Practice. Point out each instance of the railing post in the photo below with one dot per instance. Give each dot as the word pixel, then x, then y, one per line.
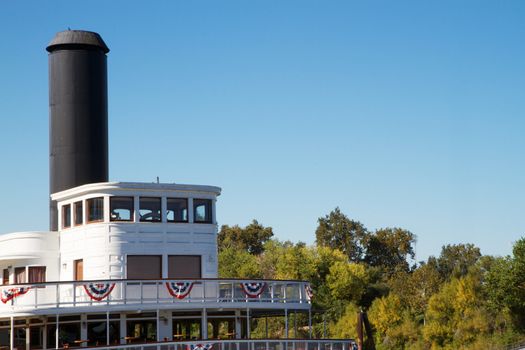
pixel 124 287
pixel 57 296
pixel 158 295
pixel 36 297
pixel 74 294
pixel 141 293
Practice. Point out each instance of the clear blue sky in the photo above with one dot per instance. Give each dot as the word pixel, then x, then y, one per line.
pixel 402 113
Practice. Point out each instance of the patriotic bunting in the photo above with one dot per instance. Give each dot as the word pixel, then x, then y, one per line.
pixel 11 293
pixel 309 291
pixel 202 347
pixel 253 289
pixel 179 290
pixel 98 291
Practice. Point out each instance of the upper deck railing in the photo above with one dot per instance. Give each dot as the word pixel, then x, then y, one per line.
pixel 164 293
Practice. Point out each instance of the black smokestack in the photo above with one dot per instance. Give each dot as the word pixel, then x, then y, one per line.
pixel 78 112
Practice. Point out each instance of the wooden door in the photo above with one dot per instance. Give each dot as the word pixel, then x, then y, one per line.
pixel 79 270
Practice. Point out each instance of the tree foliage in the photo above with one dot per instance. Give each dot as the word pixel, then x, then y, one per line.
pixel 337 231
pixel 390 248
pixel 250 238
pixel 459 300
pixel 456 259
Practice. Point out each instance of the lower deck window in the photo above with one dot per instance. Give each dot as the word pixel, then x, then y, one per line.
pixel 5 279
pixel 20 275
pixel 37 274
pixel 184 266
pixel 144 267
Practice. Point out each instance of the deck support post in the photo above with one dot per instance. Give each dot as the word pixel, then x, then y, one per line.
pixel 310 322
pixel 11 334
pixel 57 332
pixel 157 317
pixel 238 324
pixel 286 323
pixel 204 324
pixel 248 323
pixel 295 324
pixel 107 327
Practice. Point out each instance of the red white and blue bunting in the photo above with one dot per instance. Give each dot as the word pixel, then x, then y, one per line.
pixel 99 291
pixel 202 347
pixel 309 291
pixel 11 293
pixel 179 290
pixel 253 289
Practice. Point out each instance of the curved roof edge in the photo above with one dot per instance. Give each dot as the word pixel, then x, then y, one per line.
pixel 104 186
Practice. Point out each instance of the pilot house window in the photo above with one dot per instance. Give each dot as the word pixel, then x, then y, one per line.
pixel 95 209
pixel 121 208
pixel 77 210
pixel 66 216
pixel 150 209
pixel 177 210
pixel 202 210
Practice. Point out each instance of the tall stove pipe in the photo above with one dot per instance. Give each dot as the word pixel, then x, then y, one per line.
pixel 78 112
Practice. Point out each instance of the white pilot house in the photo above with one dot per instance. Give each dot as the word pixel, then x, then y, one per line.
pixel 127 265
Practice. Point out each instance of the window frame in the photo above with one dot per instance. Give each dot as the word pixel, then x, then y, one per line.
pixel 210 220
pixel 88 210
pixel 187 210
pixel 174 256
pixel 32 268
pixel 81 213
pixel 132 210
pixel 160 209
pixel 157 256
pixel 17 272
pixel 66 208
pixel 5 281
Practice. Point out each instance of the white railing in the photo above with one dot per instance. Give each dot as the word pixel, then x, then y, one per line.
pixel 244 344
pixel 59 295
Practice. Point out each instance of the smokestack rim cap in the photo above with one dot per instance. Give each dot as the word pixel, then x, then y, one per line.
pixel 76 39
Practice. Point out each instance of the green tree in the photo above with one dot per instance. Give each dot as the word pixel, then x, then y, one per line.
pixel 456 259
pixel 337 231
pixel 457 315
pixel 505 284
pixel 348 281
pixel 234 263
pixel 390 248
pixel 250 238
pixel 394 326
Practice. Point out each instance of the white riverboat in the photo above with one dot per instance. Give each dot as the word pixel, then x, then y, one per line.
pixel 132 265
